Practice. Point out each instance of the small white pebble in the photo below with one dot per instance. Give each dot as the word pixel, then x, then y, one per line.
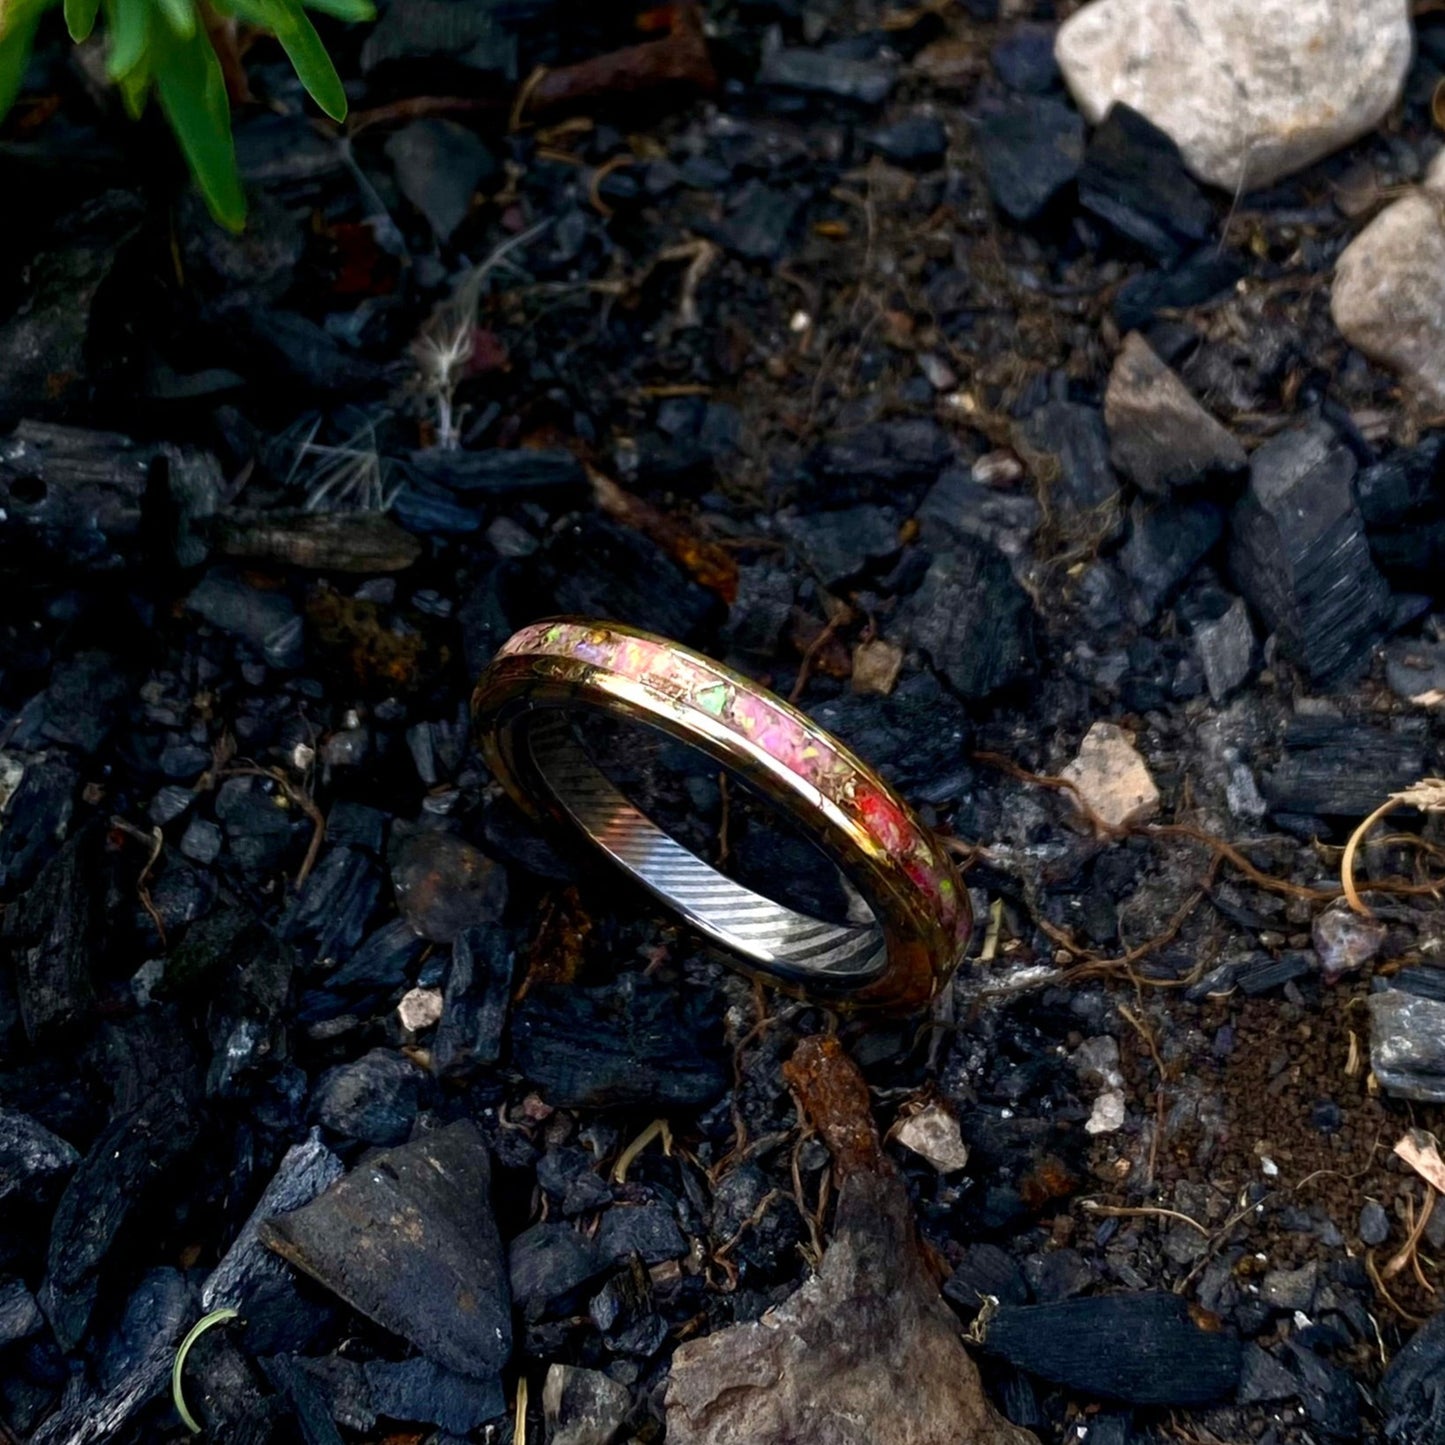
pixel 419 1009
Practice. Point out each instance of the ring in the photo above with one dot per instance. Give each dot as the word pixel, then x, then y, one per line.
pixel 910 918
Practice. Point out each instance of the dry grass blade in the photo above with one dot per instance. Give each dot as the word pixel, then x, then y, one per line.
pixel 1428 795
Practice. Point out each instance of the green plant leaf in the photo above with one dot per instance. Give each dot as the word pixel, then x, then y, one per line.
pixel 130 27
pixel 350 10
pixel 18 22
pixel 181 15
pixel 314 69
pixel 80 18
pixel 192 94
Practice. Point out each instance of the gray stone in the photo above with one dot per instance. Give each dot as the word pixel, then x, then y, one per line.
pixel 1389 290
pixel 1250 90
pixel 1159 435
pixel 1226 650
pixel 864 1351
pixel 1291 1289
pixel 1345 941
pixel 1407 1045
pixel 439 165
pixel 583 1407
pixel 1298 553
pixel 1415 670
pixel 1374 1224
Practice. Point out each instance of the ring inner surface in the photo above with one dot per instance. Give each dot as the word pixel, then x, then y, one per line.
pixel 849 949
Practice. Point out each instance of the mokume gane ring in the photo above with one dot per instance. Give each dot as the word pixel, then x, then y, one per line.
pixel 547 674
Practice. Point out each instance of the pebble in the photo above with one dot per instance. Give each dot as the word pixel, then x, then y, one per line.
pixel 1415 671
pixel 1226 646
pixel 1111 777
pixel 1345 941
pixel 419 1009
pixel 933 1134
pixel 439 165
pixel 1160 437
pixel 583 1407
pixel 1107 1115
pixel 1389 289
pixel 1374 1224
pixel 876 666
pixel 914 140
pixel 1250 90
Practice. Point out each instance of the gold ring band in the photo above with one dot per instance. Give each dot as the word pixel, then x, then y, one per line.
pixel 919 919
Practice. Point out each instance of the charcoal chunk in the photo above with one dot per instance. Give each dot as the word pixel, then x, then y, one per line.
pixel 1413 1389
pixel 985 1271
pixel 1133 179
pixel 503 474
pixel 874 461
pixel 1298 554
pixel 839 545
pixel 129 1158
pixel 633 1043
pixel 476 995
pixel 647 1230
pixel 374 1099
pixel 422 1390
pixel 594 567
pixel 34 1163
pixel 50 936
pixel 266 620
pixel 1144 1349
pixel 1205 274
pixel 1405 487
pixel 550 1267
pixel 1339 769
pixel 972 619
pixel 1085 493
pixel 1023 59
pixel 1032 147
pixel 868 82
pixel 72 498
pixel 255 1281
pixel 1167 541
pixel 759 222
pixel 20 1316
pixel 443 885
pixel 1407 1045
pixel 37 817
pixel 408 1239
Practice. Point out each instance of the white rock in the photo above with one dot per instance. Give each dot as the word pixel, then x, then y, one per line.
pixel 419 1009
pixel 1389 292
pixel 1111 778
pixel 1249 90
pixel 1108 1114
pixel 933 1134
pixel 1097 1060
